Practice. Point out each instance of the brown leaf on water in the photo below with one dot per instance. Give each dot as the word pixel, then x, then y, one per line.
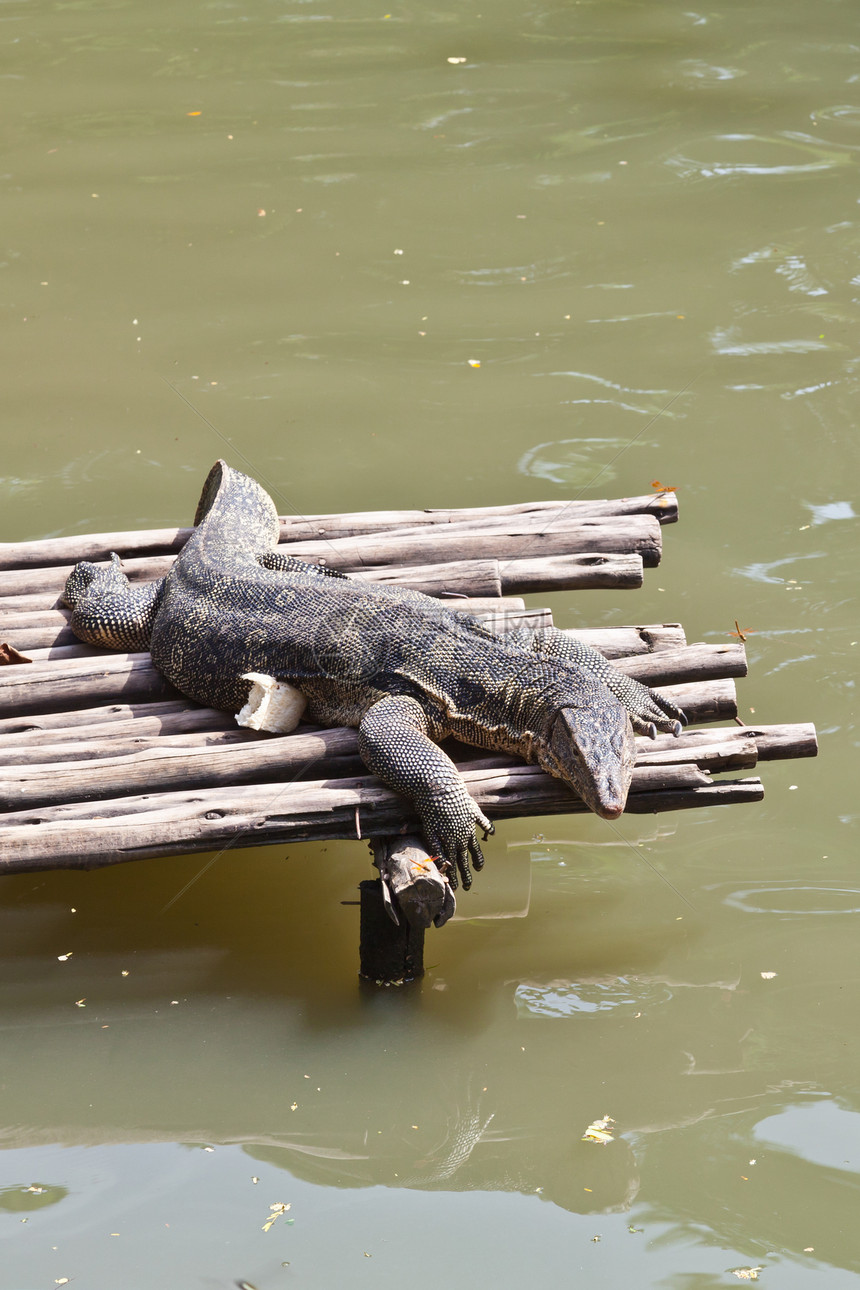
pixel 9 654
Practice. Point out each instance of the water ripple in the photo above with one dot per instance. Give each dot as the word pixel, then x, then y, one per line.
pixel 763 571
pixel 708 73
pixel 789 900
pixel 761 155
pixel 575 461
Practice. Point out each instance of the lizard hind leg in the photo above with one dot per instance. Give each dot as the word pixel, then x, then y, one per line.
pixel 649 710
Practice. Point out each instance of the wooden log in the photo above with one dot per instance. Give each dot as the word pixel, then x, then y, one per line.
pixel 60 653
pixel 19 620
pixel 29 638
pixel 705 701
pixel 108 746
pixel 98 546
pixel 574 572
pixel 36 600
pixel 663 506
pixel 170 715
pixel 777 743
pixel 49 687
pixel 691 663
pixel 90 835
pixel 724 749
pixel 91 546
pixel 520 539
pixel 623 642
pixel 160 768
pixel 773 743
pixel 40 589
pixel 453 581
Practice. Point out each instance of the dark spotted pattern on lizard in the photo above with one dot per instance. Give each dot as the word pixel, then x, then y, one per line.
pixel 398 665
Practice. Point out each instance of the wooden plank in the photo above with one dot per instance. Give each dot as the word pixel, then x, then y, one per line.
pixel 166 767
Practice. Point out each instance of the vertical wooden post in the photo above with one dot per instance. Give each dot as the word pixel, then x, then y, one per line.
pixel 396 909
pixel 389 954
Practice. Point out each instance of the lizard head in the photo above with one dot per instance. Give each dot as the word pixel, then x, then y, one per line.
pixel 592 749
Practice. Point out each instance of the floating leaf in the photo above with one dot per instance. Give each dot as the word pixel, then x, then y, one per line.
pixel 276 1211
pixel 600 1131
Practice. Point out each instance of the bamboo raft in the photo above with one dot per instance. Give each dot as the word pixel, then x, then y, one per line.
pixel 101 761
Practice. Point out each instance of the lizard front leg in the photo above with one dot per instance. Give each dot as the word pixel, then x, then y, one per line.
pixel 394 743
pixel 649 710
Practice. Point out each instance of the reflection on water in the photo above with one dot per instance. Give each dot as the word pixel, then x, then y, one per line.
pixel 819 1131
pixel 321 219
pixel 562 999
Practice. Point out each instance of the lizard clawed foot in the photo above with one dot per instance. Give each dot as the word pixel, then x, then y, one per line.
pixel 651 711
pixel 451 837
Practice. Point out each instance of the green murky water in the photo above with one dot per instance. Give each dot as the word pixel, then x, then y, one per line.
pixel 308 216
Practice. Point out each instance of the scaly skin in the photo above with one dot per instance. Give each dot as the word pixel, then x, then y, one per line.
pixel 398 665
